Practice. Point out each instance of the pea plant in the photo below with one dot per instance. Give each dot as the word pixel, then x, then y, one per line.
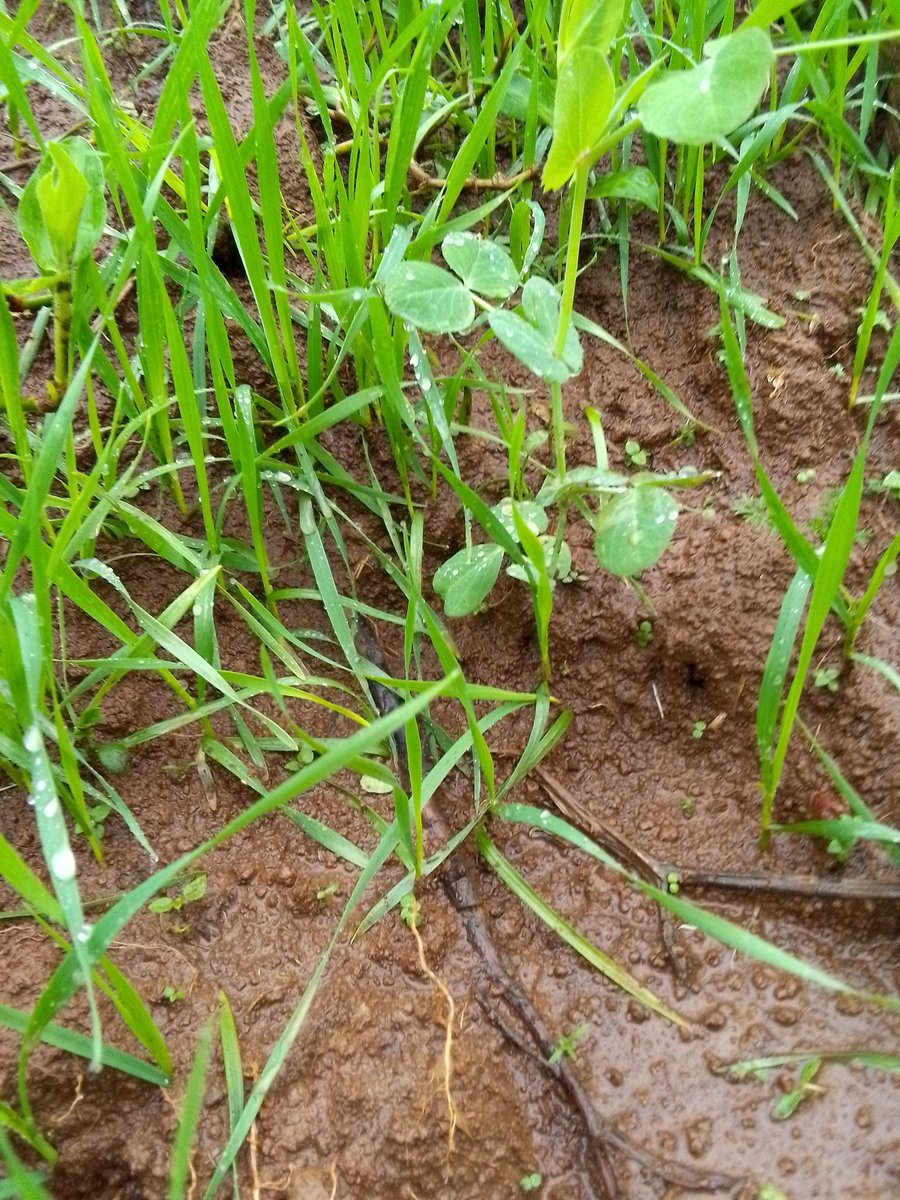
pixel 61 215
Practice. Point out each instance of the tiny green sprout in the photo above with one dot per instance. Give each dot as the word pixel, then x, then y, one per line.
pixel 635 456
pixel 806 475
pixel 112 757
pixel 686 435
pixel 753 510
pixel 193 890
pixel 768 1191
pixel 673 883
pixel 643 635
pixel 173 995
pixel 826 678
pixel 565 1047
pixel 837 370
pixel 97 814
pixel 802 294
pixel 410 913
pixel 530 1183
pixel 324 894
pixel 891 484
pixel 687 805
pixel 788 1104
pixel 698 730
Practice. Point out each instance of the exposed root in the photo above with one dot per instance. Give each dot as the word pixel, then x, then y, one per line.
pixel 447 1056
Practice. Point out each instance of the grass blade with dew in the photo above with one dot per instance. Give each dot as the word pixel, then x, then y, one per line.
pixel 67 977
pixel 42 903
pixel 72 1042
pixel 713 926
pixel 25 676
pixel 601 962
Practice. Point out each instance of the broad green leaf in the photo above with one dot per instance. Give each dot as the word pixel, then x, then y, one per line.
pixel 534 515
pixel 585 90
pixel 429 298
pixel 541 302
pixel 706 103
pixel 465 579
pixel 633 529
pixel 529 346
pixel 589 23
pixel 631 183
pixel 62 210
pixel 484 267
pixel 532 340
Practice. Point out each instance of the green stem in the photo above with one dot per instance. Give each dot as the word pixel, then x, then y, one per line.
pixel 576 220
pixel 62 323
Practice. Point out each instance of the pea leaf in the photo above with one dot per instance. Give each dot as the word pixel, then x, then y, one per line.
pixel 631 183
pixel 484 267
pixel 429 297
pixel 534 515
pixel 532 338
pixel 465 579
pixel 700 105
pixel 62 209
pixel 633 529
pixel 585 90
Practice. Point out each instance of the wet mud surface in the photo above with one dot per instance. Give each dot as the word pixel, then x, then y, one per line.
pixel 358 1109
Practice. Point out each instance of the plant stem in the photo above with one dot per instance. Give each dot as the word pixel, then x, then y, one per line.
pixel 576 220
pixel 62 322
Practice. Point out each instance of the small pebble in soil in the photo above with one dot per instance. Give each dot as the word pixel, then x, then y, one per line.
pixel 614 1078
pixel 699 1137
pixel 787 989
pixel 714 1018
pixel 785 1016
pixel 787 1166
pixel 636 1013
pixel 864 1118
pixel 849 1006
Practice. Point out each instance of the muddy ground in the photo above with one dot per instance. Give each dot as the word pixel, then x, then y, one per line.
pixel 358 1110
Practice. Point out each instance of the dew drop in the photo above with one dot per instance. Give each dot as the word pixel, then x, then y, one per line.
pixel 83 933
pixel 32 739
pixel 62 864
pixel 51 808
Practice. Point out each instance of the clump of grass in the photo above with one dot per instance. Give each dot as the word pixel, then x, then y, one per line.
pixel 434 138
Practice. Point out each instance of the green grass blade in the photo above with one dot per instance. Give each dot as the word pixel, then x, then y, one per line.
pixel 76 1043
pixel 775 673
pixel 188 1121
pixel 607 966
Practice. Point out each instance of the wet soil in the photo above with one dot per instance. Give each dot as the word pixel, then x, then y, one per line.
pixel 358 1108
